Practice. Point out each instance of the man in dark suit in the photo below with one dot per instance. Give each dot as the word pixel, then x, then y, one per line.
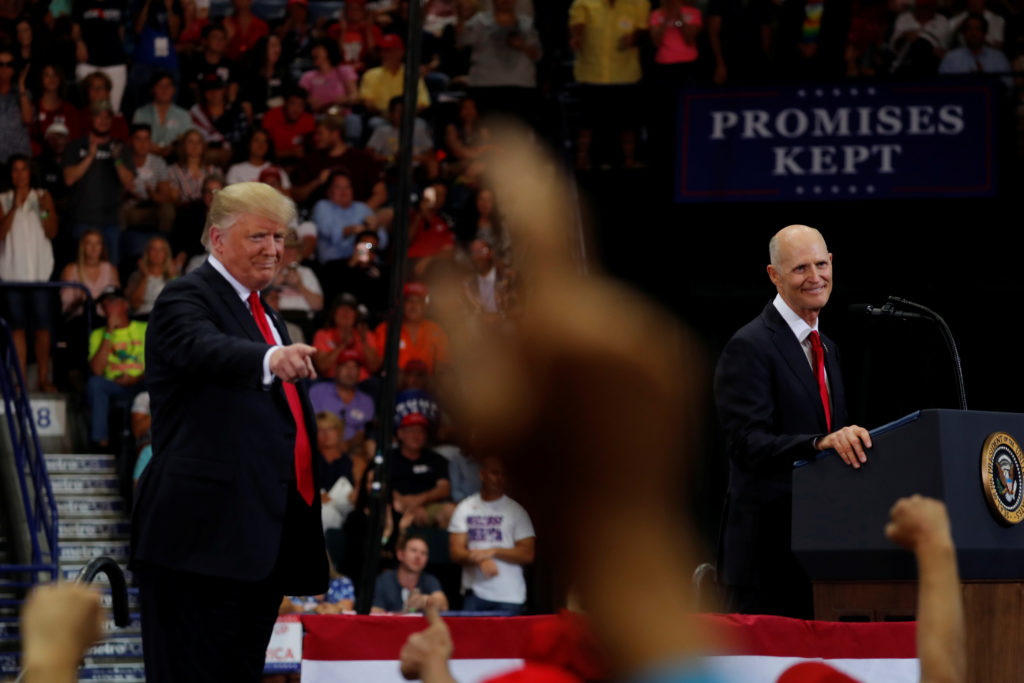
pixel 779 394
pixel 226 518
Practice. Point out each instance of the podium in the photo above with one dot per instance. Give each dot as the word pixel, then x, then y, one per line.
pixel 839 516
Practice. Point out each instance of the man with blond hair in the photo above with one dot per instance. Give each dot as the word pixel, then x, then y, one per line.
pixel 227 516
pixel 779 394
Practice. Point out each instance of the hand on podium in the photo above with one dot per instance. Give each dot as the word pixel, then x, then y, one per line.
pixel 849 442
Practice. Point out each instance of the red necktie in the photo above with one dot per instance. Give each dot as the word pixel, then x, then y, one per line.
pixel 818 356
pixel 303 453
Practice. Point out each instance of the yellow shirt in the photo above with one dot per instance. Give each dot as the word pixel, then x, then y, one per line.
pixel 600 60
pixel 127 356
pixel 380 85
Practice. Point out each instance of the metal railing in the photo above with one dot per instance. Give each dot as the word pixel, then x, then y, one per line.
pixel 33 481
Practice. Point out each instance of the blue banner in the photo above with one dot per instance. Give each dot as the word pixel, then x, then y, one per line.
pixel 843 142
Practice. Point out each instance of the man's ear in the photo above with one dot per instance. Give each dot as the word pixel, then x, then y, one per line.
pixel 773 274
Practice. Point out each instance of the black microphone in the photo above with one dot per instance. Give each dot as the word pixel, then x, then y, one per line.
pixel 886 311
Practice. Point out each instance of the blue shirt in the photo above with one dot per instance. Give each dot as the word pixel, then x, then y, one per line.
pixel 356 413
pixel 389 595
pixel 331 219
pixel 963 61
pixel 338 590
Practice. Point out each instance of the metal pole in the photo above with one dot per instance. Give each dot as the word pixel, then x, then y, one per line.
pixel 381 493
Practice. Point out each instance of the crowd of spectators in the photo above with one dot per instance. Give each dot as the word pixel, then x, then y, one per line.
pixel 119 120
pixel 625 52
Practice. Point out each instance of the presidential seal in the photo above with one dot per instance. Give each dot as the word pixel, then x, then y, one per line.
pixel 1001 477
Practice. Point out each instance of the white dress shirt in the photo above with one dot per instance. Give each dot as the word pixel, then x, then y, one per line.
pixel 802 332
pixel 243 293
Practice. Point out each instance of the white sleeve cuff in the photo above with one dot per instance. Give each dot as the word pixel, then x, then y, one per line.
pixel 268 376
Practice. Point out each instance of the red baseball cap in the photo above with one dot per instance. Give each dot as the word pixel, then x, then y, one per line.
pixel 413 419
pixel 349 355
pixel 415 289
pixel 391 41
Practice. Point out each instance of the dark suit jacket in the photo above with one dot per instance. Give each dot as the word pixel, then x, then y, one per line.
pixel 770 411
pixel 213 499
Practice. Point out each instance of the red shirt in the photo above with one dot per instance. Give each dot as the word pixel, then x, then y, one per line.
pixel 328 339
pixel 118 128
pixel 434 236
pixel 65 114
pixel 287 134
pixel 240 42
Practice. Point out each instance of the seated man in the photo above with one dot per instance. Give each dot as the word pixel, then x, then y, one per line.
pixel 383 144
pixel 344 400
pixel 290 126
pixel 334 471
pixel 117 356
pixel 492 538
pixel 408 588
pixel 421 339
pixel 975 56
pixel 149 205
pixel 419 476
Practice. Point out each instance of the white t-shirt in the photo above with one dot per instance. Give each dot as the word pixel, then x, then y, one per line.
pixel 493 524
pixel 291 297
pixel 244 172
pixel 26 254
pixel 141 403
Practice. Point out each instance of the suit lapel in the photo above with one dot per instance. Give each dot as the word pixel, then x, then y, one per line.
pixel 229 297
pixel 793 354
pixel 279 323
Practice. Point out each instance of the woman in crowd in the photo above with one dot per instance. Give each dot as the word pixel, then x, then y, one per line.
pixel 188 174
pixel 483 222
pixel 223 124
pixel 259 158
pixel 266 80
pixel 97 87
pixel 156 269
pixel 26 255
pixel 51 107
pixel 189 221
pixel 341 333
pixel 92 268
pixel 27 53
pixel 330 83
pixel 467 141
pixel 167 121
pixel 674 29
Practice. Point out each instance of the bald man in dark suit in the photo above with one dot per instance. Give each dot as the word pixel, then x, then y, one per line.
pixel 227 515
pixel 774 411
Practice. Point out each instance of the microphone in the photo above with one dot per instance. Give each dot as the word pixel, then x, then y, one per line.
pixel 886 311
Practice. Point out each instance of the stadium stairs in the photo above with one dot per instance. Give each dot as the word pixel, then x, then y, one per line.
pixel 59 509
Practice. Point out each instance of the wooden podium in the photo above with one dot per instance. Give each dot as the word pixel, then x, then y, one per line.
pixel 839 515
